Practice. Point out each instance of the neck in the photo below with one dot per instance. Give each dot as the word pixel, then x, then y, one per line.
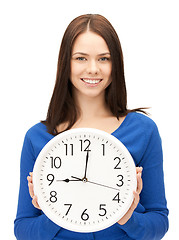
pixel 91 107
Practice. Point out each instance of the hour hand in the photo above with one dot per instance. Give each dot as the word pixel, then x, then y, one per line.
pixel 68 180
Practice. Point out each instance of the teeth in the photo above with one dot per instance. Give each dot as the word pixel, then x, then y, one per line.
pixel 91 81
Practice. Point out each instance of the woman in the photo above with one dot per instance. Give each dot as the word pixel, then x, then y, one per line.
pixel 90 92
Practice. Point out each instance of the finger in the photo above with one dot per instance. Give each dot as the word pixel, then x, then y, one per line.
pixel 31 189
pixel 139 183
pixel 35 203
pixel 135 202
pixel 29 179
pixel 139 169
pixel 136 199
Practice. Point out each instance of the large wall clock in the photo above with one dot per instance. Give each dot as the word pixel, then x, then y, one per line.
pixel 84 179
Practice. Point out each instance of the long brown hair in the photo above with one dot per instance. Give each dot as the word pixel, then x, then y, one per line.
pixel 62 107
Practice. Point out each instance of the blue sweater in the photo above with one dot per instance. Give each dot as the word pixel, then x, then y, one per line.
pixel 149 220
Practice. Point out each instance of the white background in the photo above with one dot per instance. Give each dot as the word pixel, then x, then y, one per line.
pixel 31 33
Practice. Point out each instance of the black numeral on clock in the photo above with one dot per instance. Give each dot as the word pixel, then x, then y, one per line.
pixel 103 145
pixel 118 162
pixel 50 178
pixel 56 162
pixel 103 210
pixel 84 215
pixel 85 144
pixel 116 198
pixel 69 206
pixel 53 196
pixel 68 149
pixel 121 182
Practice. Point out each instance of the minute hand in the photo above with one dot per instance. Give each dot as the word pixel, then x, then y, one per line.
pixel 99 184
pixel 102 185
pixel 87 157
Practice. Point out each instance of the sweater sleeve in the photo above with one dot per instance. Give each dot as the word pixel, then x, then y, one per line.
pixel 30 223
pixel 152 222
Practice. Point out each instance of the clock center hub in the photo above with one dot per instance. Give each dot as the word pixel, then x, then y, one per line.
pixel 84 180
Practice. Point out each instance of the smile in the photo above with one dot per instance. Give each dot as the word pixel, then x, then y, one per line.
pixel 91 81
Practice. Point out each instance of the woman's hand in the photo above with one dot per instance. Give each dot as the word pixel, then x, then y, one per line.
pixel 31 191
pixel 129 213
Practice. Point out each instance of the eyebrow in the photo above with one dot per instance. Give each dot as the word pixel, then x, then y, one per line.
pixel 85 54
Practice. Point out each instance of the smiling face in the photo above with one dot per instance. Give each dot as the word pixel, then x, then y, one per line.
pixel 91 65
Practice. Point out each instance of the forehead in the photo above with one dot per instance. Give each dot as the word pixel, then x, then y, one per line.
pixel 90 42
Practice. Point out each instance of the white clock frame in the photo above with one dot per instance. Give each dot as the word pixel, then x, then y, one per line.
pixel 48 186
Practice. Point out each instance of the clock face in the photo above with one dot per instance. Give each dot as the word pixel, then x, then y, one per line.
pixel 84 180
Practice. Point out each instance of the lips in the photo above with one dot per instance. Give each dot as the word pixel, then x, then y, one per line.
pixel 91 80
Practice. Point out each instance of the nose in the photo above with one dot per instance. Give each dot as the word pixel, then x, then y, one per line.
pixel 92 67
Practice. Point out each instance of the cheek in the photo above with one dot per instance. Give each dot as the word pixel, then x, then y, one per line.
pixel 107 71
pixel 76 70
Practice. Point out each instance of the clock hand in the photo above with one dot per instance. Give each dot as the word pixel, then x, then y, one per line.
pixel 68 180
pixel 79 179
pixel 87 157
pixel 102 185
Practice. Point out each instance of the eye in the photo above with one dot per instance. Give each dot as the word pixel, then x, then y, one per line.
pixel 103 59
pixel 81 58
